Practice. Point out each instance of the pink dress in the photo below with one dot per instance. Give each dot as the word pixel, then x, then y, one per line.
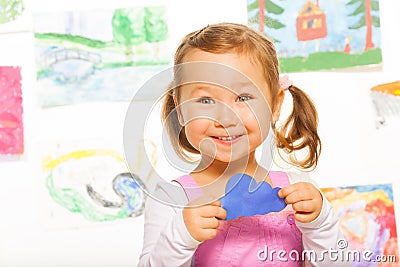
pixel 250 241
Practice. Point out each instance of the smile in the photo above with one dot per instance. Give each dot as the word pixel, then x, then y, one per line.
pixel 227 139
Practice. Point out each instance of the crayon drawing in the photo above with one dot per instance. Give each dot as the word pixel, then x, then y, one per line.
pixel 386 102
pixel 102 55
pixel 11 127
pixel 14 16
pixel 10 10
pixel 314 35
pixel 367 218
pixel 87 182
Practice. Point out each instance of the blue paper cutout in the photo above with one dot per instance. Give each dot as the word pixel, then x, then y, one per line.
pixel 245 197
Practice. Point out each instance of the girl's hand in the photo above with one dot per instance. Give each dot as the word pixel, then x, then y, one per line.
pixel 305 198
pixel 202 222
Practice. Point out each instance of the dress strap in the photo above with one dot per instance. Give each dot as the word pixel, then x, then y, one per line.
pixel 279 179
pixel 192 189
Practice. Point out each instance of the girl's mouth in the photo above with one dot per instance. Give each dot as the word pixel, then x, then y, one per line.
pixel 227 139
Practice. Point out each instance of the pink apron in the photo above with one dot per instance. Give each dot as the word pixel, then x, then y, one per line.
pixel 261 240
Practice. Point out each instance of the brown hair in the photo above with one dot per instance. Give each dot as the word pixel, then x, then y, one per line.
pixel 300 129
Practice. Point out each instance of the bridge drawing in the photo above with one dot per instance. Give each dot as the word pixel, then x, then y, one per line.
pixel 56 56
pixel 69 65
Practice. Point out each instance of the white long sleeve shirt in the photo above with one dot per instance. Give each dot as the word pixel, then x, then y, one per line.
pixel 167 241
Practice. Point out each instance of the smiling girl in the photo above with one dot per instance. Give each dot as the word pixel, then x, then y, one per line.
pixel 225 98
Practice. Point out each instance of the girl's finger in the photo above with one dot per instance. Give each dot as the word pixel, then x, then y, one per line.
pixel 221 213
pixel 297 196
pixel 214 212
pixel 304 217
pixel 209 233
pixel 210 223
pixel 303 206
pixel 284 192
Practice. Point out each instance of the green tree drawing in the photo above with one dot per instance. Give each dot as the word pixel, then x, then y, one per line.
pixel 155 24
pixel 128 26
pixel 156 27
pixel 10 10
pixel 134 26
pixel 265 7
pixel 367 10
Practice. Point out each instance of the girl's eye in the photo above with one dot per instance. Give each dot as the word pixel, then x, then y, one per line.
pixel 242 98
pixel 206 100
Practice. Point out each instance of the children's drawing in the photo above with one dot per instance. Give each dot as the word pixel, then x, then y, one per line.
pixel 10 10
pixel 319 34
pixel 95 184
pixel 129 188
pixel 367 218
pixel 11 127
pixel 14 16
pixel 386 101
pixel 103 55
pixel 88 181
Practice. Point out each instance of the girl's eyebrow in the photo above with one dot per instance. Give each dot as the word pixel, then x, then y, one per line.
pixel 246 84
pixel 237 89
pixel 200 89
pixel 203 86
pixel 246 87
pixel 206 87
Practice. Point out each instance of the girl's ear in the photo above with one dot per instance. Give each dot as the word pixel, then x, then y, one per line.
pixel 278 105
pixel 178 112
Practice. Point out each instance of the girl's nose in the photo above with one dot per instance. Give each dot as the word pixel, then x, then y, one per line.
pixel 226 116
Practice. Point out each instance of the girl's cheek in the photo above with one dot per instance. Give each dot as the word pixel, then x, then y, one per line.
pixel 199 124
pixel 257 122
pixel 196 128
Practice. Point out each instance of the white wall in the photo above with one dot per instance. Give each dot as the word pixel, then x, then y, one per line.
pixel 354 152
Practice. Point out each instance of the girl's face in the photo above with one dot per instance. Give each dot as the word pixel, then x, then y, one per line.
pixel 224 105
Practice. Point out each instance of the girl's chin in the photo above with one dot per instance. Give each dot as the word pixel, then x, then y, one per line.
pixel 240 160
pixel 225 156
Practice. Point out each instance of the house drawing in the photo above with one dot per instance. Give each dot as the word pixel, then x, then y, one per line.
pixel 311 22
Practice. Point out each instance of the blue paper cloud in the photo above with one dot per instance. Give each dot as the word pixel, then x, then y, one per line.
pixel 245 197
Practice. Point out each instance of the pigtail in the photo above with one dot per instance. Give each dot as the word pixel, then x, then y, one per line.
pixel 300 131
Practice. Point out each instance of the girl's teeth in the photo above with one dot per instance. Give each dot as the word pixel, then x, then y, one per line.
pixel 227 138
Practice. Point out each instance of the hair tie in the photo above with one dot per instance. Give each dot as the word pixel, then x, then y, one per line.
pixel 284 82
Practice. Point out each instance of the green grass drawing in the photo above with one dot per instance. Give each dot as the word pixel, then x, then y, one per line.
pixel 330 60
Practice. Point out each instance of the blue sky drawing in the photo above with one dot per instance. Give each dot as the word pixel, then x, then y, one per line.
pixel 338 22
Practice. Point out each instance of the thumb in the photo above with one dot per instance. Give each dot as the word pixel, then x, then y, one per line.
pixel 281 193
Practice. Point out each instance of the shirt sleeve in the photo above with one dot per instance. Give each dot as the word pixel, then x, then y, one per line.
pixel 324 243
pixel 166 240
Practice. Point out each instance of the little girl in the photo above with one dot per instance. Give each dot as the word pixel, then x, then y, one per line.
pixel 225 98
